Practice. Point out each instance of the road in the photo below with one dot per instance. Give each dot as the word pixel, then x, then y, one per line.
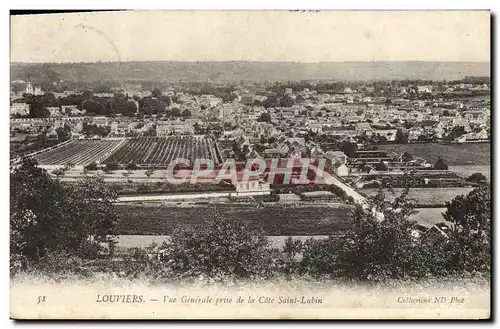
pixel 142 241
pixel 332 179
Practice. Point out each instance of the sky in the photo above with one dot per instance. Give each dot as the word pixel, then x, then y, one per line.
pixel 325 36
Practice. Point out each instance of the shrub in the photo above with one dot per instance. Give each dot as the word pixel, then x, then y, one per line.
pixel 91 166
pixel 440 164
pixel 221 249
pixel 476 178
pixel 142 188
pixel 131 166
pixel 111 167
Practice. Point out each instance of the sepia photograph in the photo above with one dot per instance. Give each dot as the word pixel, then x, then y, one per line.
pixel 259 164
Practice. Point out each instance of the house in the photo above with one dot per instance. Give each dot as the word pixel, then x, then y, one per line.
pixel 22 109
pixel 253 186
pixel 424 89
pixel 334 156
pixel 364 127
pixel 340 169
pixel 337 162
pixel 414 133
pixel 71 110
pixel 340 131
pixel 54 111
pixel 437 232
pixel 316 128
pixel 100 121
pixel 389 134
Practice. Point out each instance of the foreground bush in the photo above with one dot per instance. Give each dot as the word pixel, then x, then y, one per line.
pixel 221 248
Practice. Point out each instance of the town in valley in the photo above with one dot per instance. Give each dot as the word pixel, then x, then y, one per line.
pixel 370 133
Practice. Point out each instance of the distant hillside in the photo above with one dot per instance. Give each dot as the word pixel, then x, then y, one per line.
pixel 247 71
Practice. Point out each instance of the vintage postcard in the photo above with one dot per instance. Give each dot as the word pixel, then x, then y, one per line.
pixel 250 165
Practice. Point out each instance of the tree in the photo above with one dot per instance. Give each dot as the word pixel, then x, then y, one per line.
pixel 93 216
pixel 401 137
pixel 131 166
pixel 265 117
pixel 381 166
pixel 46 216
pixel 149 172
pixel 457 131
pixel 68 166
pixel 37 108
pixel 156 93
pixel 378 245
pixel 477 178
pixel 406 157
pixel 272 102
pixel 63 133
pixel 349 149
pixel 440 164
pixel 91 166
pixel 221 249
pixel 175 112
pixel 471 235
pixel 36 210
pixel 126 108
pixel 94 107
pixel 110 167
pixel 17 87
pixel 58 172
pixel 287 101
pixel 186 113
pixel 299 99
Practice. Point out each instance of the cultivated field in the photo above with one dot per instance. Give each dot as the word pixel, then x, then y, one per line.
pixel 274 220
pixel 78 152
pixel 143 151
pixel 157 151
pixel 423 196
pixel 453 154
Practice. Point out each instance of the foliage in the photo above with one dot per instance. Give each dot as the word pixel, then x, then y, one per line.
pixel 220 249
pixel 401 137
pixel 265 117
pixel 471 235
pixel 47 216
pixel 477 178
pixel 349 149
pixel 406 157
pixel 91 166
pixel 440 164
pixel 91 130
pixel 381 166
pixel 63 133
pixel 111 167
pixel 131 166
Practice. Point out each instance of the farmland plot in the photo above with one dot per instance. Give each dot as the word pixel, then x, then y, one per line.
pixel 273 220
pixel 78 152
pixel 423 196
pixel 157 151
pixel 453 154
